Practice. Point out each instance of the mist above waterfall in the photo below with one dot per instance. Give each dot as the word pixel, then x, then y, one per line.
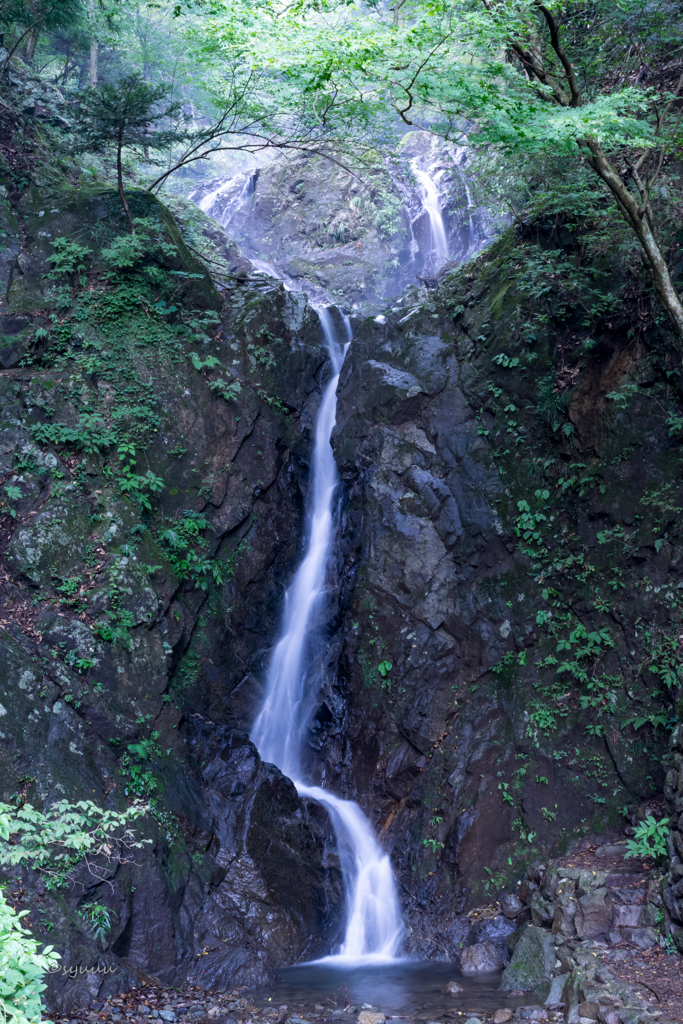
pixel 320 227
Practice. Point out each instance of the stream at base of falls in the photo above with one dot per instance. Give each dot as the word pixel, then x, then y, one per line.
pixel 406 988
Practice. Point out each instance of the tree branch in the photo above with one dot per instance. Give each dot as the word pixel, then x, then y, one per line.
pixel 557 47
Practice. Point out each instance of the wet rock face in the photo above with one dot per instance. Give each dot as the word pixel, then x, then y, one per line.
pixel 322 227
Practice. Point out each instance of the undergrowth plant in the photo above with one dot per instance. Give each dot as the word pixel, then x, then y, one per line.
pixel 53 842
pixel 22 968
pixel 186 547
pixel 649 839
pixel 69 259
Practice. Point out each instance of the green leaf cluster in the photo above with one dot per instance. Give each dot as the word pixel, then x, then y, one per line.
pixel 649 839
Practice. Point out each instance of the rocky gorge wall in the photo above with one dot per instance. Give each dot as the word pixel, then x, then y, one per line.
pixel 503 654
pixel 108 580
pixel 511 575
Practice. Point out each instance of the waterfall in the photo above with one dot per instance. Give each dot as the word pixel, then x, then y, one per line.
pixel 224 201
pixel 458 154
pixel 430 204
pixel 373 918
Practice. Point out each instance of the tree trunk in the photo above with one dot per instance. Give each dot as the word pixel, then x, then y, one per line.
pixel 119 173
pixel 65 74
pixel 93 63
pixel 637 219
pixel 31 43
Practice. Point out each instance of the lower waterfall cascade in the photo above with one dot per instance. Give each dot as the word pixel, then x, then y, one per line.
pixel 373 917
pixel 430 199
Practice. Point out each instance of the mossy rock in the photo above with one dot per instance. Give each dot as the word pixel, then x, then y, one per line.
pixel 93 219
pixel 51 543
pixel 532 961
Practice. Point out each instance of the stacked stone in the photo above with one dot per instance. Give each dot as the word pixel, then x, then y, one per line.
pixel 582 904
pixel 673 794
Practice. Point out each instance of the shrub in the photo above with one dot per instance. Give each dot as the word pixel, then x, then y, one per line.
pixel 649 839
pixel 22 968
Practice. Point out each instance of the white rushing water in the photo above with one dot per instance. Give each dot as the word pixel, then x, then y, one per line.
pixel 430 198
pixel 373 918
pixel 230 196
pixel 458 155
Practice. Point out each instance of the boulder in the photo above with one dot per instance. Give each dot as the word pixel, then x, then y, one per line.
pixel 550 992
pixel 483 956
pixel 594 915
pixel 564 917
pixel 511 905
pixel 502 1016
pixel 453 989
pixel 370 1017
pixel 532 961
pixel 542 912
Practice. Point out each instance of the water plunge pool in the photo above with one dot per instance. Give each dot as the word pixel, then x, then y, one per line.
pixel 406 988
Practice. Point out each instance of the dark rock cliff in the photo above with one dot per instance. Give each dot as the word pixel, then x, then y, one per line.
pixel 511 581
pixel 114 637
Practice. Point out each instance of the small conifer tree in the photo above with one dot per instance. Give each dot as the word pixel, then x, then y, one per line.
pixel 125 115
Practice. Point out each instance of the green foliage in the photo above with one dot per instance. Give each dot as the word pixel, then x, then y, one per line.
pixel 504 788
pixel 52 842
pixel 649 839
pixel 675 424
pixel 39 15
pixel 204 364
pixel 509 362
pixel 73 660
pixel 622 396
pixel 183 543
pixel 127 252
pixel 13 494
pixel 666 661
pixel 656 719
pixel 528 524
pixel 69 589
pixel 125 114
pixel 136 484
pixel 140 779
pixel 552 402
pixel 98 918
pixel 22 968
pixel 117 629
pixel 69 258
pixel 495 882
pixel 119 621
pixel 582 644
pixel 432 844
pixel 55 840
pixel 228 391
pixel 90 435
pixel 543 718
